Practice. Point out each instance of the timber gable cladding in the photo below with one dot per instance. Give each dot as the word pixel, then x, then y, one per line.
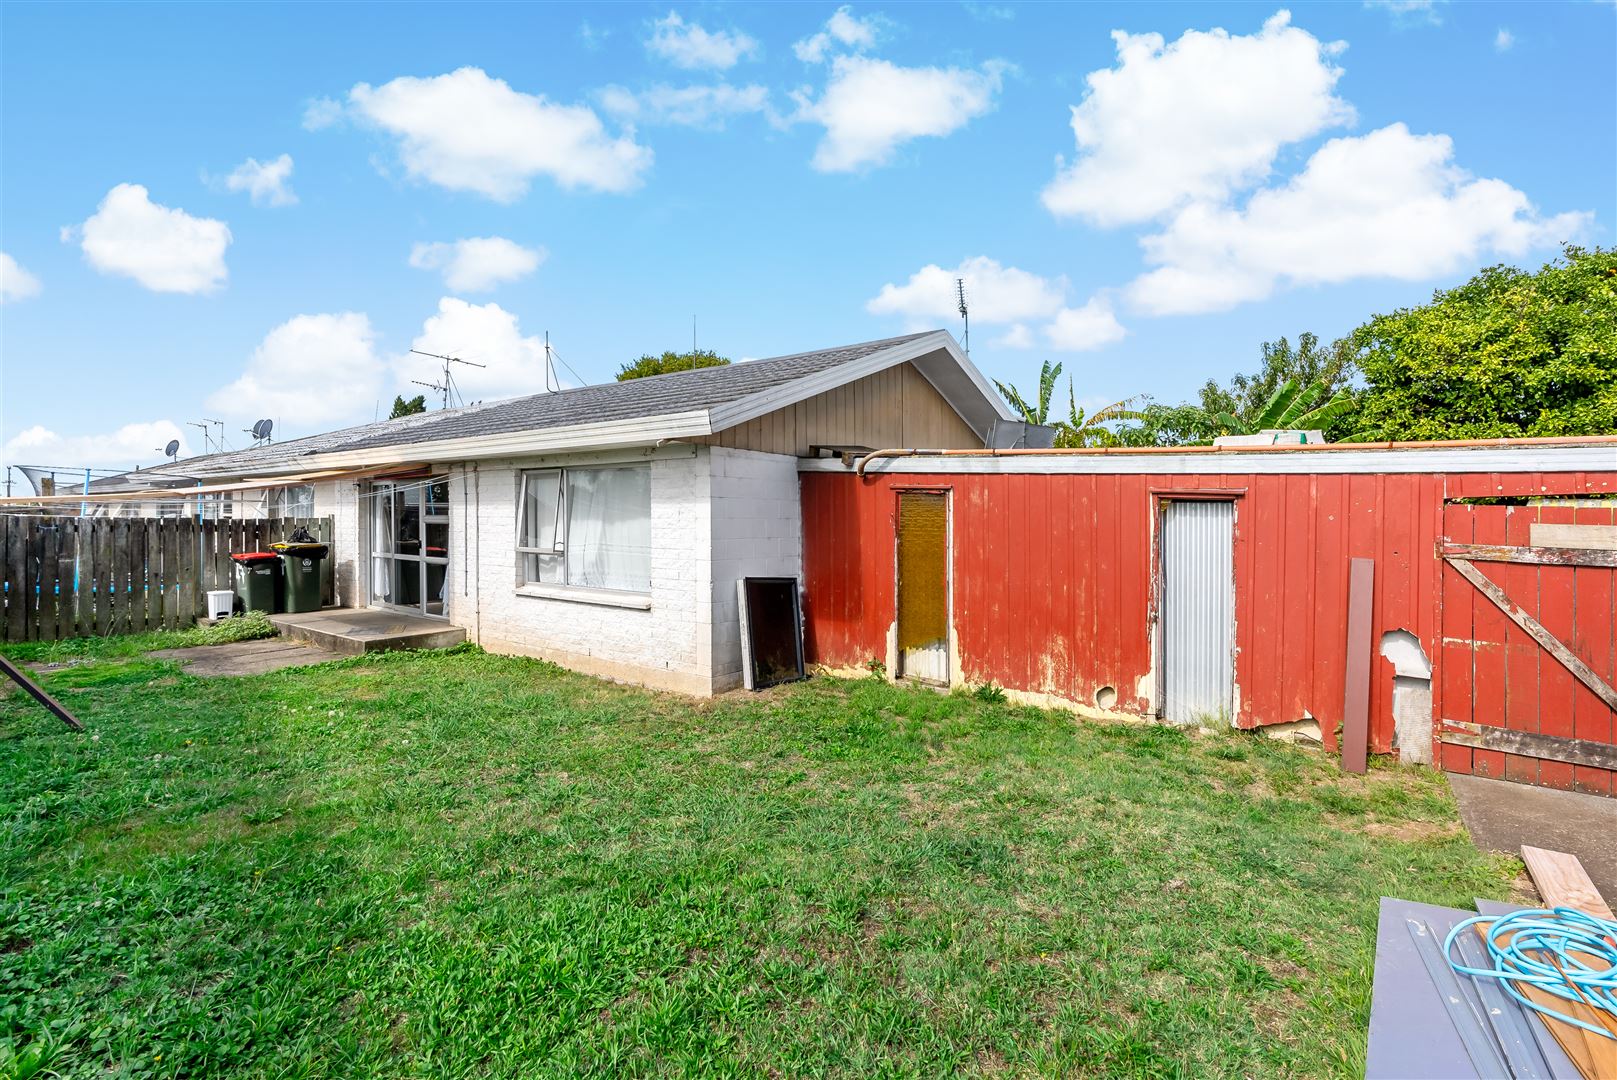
pixel 894 407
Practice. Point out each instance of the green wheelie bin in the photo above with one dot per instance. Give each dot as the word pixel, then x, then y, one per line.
pixel 258 580
pixel 300 564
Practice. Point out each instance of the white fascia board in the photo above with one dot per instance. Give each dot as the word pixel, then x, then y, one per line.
pixel 604 436
pixel 1514 460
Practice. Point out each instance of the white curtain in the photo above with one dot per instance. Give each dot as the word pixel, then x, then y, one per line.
pixel 609 528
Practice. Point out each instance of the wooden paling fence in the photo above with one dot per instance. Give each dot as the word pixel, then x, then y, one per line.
pixel 92 577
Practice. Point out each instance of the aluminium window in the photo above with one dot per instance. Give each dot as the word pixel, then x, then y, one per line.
pixel 586 528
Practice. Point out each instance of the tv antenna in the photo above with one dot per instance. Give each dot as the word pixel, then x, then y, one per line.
pixel 207 440
pixel 261 431
pixel 960 295
pixel 447 388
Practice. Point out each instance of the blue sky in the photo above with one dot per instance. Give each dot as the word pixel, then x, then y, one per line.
pixel 250 210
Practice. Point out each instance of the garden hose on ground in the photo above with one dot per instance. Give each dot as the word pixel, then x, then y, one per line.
pixel 1562 951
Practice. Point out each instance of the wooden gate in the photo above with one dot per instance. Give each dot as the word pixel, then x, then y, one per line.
pixel 1528 612
pixel 90 577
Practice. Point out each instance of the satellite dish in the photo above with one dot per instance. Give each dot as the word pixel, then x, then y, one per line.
pixel 262 429
pixel 172 449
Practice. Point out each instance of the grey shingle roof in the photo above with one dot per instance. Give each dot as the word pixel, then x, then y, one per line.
pixel 657 395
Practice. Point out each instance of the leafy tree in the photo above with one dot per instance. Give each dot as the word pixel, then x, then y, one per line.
pixel 1029 411
pixel 669 362
pixel 1304 386
pixel 1293 406
pixel 1508 353
pixel 417 404
pixel 1306 364
pixel 1079 429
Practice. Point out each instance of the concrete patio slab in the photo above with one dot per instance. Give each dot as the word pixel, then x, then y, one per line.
pixel 353 631
pixel 246 657
pixel 1503 816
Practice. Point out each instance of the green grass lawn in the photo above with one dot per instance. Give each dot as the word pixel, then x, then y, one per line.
pixel 455 864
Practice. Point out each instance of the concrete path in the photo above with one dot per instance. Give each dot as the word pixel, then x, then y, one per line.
pixel 1503 816
pixel 245 657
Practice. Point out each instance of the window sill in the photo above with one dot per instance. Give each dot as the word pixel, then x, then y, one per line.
pixel 601 597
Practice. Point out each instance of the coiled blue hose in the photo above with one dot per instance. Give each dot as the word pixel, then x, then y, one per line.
pixel 1526 946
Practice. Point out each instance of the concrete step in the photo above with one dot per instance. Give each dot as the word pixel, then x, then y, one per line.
pixel 353 631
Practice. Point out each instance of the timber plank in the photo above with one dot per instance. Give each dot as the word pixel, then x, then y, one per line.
pixel 17 578
pixel 48 541
pixel 1563 882
pixel 1356 696
pixel 136 606
pixel 84 577
pixel 190 541
pixel 117 573
pixel 101 563
pixel 1593 537
pixel 171 574
pixel 154 574
pixel 1532 556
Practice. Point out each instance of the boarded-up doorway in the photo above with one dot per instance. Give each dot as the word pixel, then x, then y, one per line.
pixel 1197 615
pixel 923 586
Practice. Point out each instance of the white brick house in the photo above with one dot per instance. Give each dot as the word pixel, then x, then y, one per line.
pixel 605 527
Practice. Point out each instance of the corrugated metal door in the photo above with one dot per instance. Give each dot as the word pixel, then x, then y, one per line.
pixel 923 585
pixel 1198 611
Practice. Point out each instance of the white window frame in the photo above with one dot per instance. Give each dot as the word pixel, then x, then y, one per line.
pixel 564 590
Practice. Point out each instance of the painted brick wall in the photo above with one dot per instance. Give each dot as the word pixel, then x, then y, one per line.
pixel 668 646
pixel 757 532
pixel 716 515
pixel 340 501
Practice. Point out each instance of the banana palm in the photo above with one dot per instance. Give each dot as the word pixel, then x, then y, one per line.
pixel 1291 406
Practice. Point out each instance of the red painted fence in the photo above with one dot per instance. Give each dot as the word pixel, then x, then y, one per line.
pixel 1054 580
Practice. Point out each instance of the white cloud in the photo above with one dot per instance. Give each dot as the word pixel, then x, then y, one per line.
pixel 999 295
pixel 16 283
pixel 164 249
pixel 466 131
pixel 1194 120
pixel 478 263
pixel 1503 40
pixel 689 106
pixel 842 29
pixel 125 448
pixel 1017 337
pixel 1410 12
pixel 995 294
pixel 485 334
pixel 1388 204
pixel 321 113
pixel 1084 328
pixel 266 182
pixel 312 371
pixel 869 107
pixel 687 45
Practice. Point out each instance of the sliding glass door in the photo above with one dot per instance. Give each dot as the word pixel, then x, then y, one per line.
pixel 409 544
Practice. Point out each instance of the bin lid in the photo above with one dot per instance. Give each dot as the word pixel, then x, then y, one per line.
pixel 299 548
pixel 245 557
